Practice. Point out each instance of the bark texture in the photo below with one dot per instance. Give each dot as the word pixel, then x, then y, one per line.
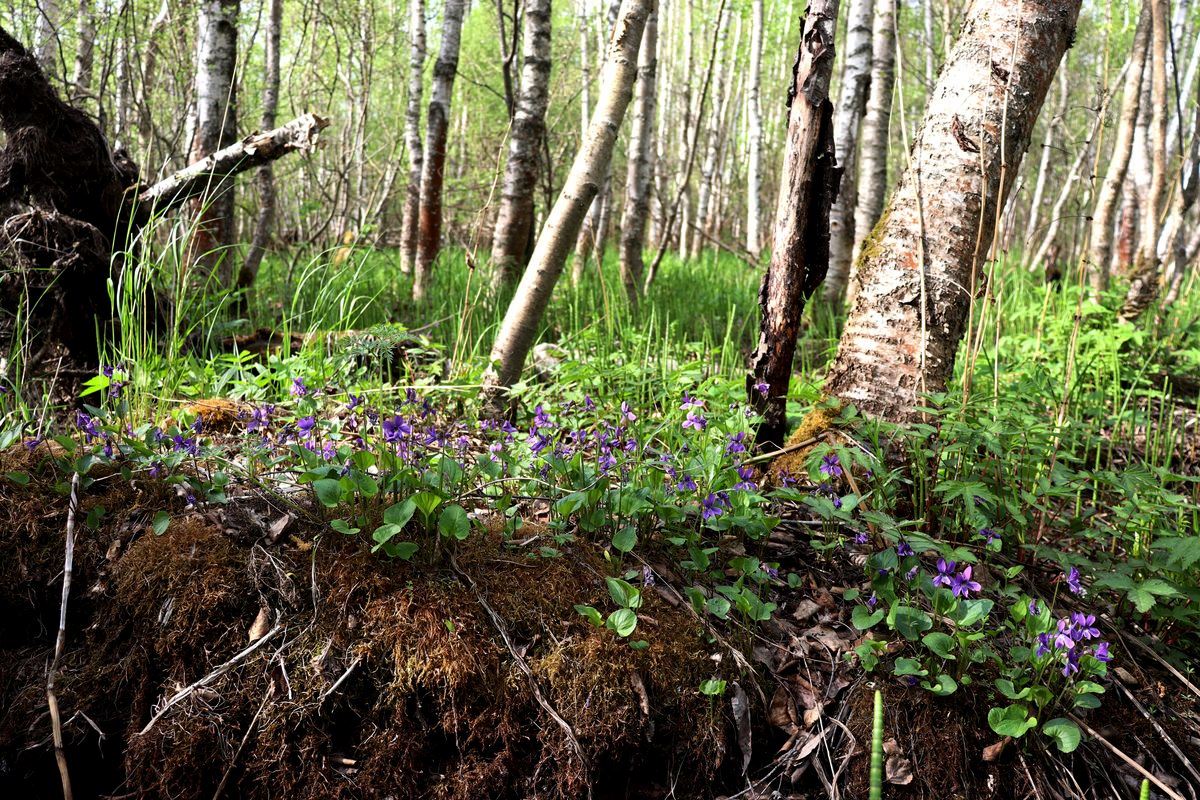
pixel 264 179
pixel 800 255
pixel 216 128
pixel 433 170
pixel 640 168
pixel 754 123
pixel 412 135
pixel 1143 287
pixel 298 136
pixel 852 104
pixel 515 221
pixel 583 183
pixel 920 265
pixel 873 150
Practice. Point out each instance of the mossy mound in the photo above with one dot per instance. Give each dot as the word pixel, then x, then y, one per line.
pixel 378 678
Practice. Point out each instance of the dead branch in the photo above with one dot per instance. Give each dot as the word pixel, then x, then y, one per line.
pixel 210 677
pixel 60 754
pixel 257 149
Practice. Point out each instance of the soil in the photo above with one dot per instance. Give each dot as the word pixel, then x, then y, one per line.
pixel 376 678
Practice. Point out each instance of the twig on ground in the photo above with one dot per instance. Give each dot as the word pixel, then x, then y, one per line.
pixel 210 677
pixel 791 448
pixel 524 667
pixel 1162 733
pixel 245 738
pixel 1145 773
pixel 60 642
pixel 341 679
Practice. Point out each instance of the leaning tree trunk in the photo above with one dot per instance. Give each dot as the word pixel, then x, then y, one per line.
pixel 433 170
pixel 216 127
pixel 524 314
pixel 412 136
pixel 637 178
pixel 873 151
pixel 708 166
pixel 800 255
pixel 1144 285
pixel 852 103
pixel 514 223
pixel 755 125
pixel 921 264
pixel 264 179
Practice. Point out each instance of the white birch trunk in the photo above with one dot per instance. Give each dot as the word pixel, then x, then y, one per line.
pixel 873 151
pixel 514 223
pixel 754 114
pixel 216 128
pixel 412 135
pixel 852 104
pixel 640 168
pixel 433 170
pixel 919 268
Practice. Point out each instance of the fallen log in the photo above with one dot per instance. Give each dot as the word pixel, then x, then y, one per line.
pixel 299 135
pixel 69 201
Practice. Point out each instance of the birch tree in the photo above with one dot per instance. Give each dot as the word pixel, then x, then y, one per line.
pixel 264 179
pixel 640 168
pixel 81 74
pixel 1101 237
pixel 920 268
pixel 433 168
pixel 514 223
pixel 754 123
pixel 517 331
pixel 412 135
pixel 1144 285
pixel 852 104
pixel 216 127
pixel 873 151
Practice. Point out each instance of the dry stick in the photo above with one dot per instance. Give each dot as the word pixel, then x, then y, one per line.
pixel 791 448
pixel 524 667
pixel 1159 728
pixel 1145 773
pixel 60 754
pixel 652 272
pixel 1170 667
pixel 210 677
pixel 245 738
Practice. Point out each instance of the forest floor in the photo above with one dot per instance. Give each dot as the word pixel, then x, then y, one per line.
pixel 331 579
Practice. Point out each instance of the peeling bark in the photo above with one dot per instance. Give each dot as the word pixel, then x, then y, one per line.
pixel 919 266
pixel 433 170
pixel 514 223
pixel 800 255
pixel 852 104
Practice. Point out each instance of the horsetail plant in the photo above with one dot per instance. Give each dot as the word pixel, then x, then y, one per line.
pixel 877 749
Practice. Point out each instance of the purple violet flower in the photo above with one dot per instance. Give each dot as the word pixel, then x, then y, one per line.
pixel 945 573
pixel 1073 582
pixel 831 466
pixel 904 549
pixel 299 388
pixel 695 421
pixel 962 585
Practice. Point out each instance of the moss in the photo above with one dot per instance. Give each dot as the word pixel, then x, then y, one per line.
pixel 795 462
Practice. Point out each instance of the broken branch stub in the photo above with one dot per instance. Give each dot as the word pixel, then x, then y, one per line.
pixel 299 135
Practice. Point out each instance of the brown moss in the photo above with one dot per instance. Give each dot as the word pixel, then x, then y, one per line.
pixel 219 415
pixel 795 463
